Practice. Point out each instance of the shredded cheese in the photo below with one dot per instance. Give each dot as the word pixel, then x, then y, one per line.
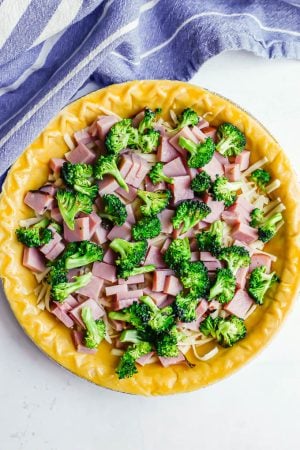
pixel 272 186
pixel 207 356
pixel 256 165
pixel 68 140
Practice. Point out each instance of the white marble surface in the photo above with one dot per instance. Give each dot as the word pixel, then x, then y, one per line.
pixel 43 407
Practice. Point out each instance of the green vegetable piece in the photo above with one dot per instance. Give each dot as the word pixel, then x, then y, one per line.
pixel 236 257
pixel 231 141
pixel 201 183
pixel 224 288
pixel 61 291
pixel 154 202
pixel 189 213
pixel 260 282
pixel 200 154
pixel 95 329
pixel 157 175
pixel 146 228
pixel 107 165
pixel 224 190
pixel 71 203
pixel 36 235
pixel 114 209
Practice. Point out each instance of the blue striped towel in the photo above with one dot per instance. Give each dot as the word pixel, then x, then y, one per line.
pixel 49 50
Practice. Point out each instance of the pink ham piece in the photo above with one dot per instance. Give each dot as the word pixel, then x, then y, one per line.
pixel 231 217
pixel 126 164
pixel 244 233
pixel 81 231
pixel 61 315
pixel 175 168
pixel 154 256
pixel 166 362
pixel 159 278
pixel 202 123
pixel 77 337
pixel 200 311
pixel 83 137
pixel 130 214
pixel 181 189
pixel 73 273
pixel 56 164
pixel 212 265
pixel 241 277
pixel 210 132
pixel 104 124
pixel 165 220
pixel 123 232
pixel 108 185
pixel 216 207
pixel 150 187
pixel 92 289
pixel 94 222
pixel 109 256
pixel 145 359
pixel 240 304
pixel 56 237
pixel 141 171
pixel 100 235
pixel 159 297
pixel 56 215
pixel 137 293
pixel 243 159
pixel 172 285
pixel 131 175
pixel 70 302
pixel 165 246
pixel 195 256
pixel 123 303
pixel 222 159
pixel 55 251
pixel 33 259
pixel 188 134
pixel 81 154
pixel 166 152
pixel 138 118
pixel 199 134
pixel 135 279
pixel 242 244
pixel 39 201
pixel 243 204
pixel 232 172
pixel 105 271
pixel 176 233
pixel 129 196
pixel 214 168
pixel 49 189
pixel 97 311
pixel 260 259
pixel 113 290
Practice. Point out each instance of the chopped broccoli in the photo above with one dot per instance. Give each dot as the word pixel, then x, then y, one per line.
pixel 121 135
pixel 149 141
pixel 267 229
pixel 224 190
pixel 189 213
pixel 200 154
pixel 114 209
pixel 155 202
pixel 61 291
pixel 107 165
pixel 185 306
pixel 211 240
pixel 260 282
pixel 224 288
pixel 125 273
pixel 72 203
pixel 231 140
pixel 146 228
pixel 188 118
pixel 227 331
pixel 95 329
pixel 201 182
pixel 77 176
pixel 194 276
pixel 57 275
pixel 157 175
pixel 160 320
pixel 167 343
pixel 86 252
pixel 177 252
pixel 261 177
pixel 127 367
pixel 148 120
pixel 257 217
pixel 131 254
pixel 36 235
pixel 236 257
pixel 138 315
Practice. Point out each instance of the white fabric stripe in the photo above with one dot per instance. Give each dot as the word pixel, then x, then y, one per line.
pixel 10 14
pixel 190 19
pixel 39 62
pixel 65 13
pixel 108 41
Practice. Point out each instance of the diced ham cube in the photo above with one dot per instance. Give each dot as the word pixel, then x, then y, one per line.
pixel 81 154
pixel 33 259
pixel 96 309
pixel 242 244
pixel 210 132
pixel 123 232
pixel 199 134
pixel 181 189
pixel 104 124
pixel 83 136
pixel 214 168
pixel 108 185
pixel 46 248
pixel 207 256
pixel 135 279
pixel 38 201
pixel 145 359
pixel 141 172
pixel 49 189
pixel 116 288
pixel 216 207
pixel 130 215
pixel 166 152
pixel 222 159
pixel 56 215
pixel 159 297
pixel 130 178
pixel 232 172
pixel 138 118
pixel 195 256
pixel 231 217
pixel 154 256
pixel 73 273
pixel 94 222
pixel 56 164
pixel 123 303
pixel 202 123
pixel 92 289
pixel 172 285
pixel 244 233
pixel 212 265
pixel 185 132
pixel 55 251
pixel 175 168
pixel 176 233
pixel 137 293
pixel 243 159
pixel 166 362
pixel 159 278
pixel 150 187
pixel 126 163
pixel 81 231
pixel 105 271
pixel 241 277
pixel 77 337
pixel 70 302
pixel 100 235
pixel 109 256
pixel 165 220
pixel 260 259
pixel 129 196
pixel 61 315
pixel 165 246
pixel 240 304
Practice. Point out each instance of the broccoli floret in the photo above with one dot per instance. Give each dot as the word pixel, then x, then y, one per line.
pixel 95 329
pixel 185 306
pixel 146 228
pixel 227 331
pixel 188 118
pixel 224 190
pixel 260 282
pixel 200 154
pixel 224 288
pixel 148 120
pixel 149 141
pixel 86 253
pixel 114 209
pixel 160 320
pixel 157 175
pixel 61 291
pixel 77 176
pixel 257 217
pixel 125 273
pixel 189 213
pixel 261 177
pixel 194 276
pixel 267 229
pixel 57 275
pixel 107 165
pixel 177 252
pixel 236 257
pixel 127 367
pixel 121 135
pixel 138 315
pixel 72 203
pixel 155 202
pixel 36 235
pixel 201 182
pixel 167 343
pixel 211 240
pixel 131 254
pixel 231 140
